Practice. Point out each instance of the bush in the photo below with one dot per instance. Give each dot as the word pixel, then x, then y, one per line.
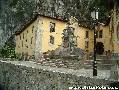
pixel 7 52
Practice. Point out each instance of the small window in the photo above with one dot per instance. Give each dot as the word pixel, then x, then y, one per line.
pixel 100 34
pixel 52 27
pixel 118 31
pixel 32 29
pixel 27 31
pixel 31 40
pixel 26 40
pixel 20 37
pixel 26 46
pixel 51 39
pixel 23 35
pixel 22 43
pixel 86 44
pixel 87 34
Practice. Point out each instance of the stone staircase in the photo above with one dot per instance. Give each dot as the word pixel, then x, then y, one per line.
pixel 102 63
pixel 60 63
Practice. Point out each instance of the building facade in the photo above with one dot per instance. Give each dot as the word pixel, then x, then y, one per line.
pixel 41 35
pixel 114 27
pixel 44 34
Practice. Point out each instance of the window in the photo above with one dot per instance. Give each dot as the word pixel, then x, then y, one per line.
pixel 87 34
pixel 26 40
pixel 100 34
pixel 52 27
pixel 51 39
pixel 118 31
pixel 86 44
pixel 23 35
pixel 31 40
pixel 20 37
pixel 27 31
pixel 26 46
pixel 22 43
pixel 32 29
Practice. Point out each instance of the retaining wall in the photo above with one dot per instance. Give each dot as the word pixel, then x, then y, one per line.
pixel 16 75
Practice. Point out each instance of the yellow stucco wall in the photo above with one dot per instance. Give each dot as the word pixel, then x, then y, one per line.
pixel 81 40
pixel 105 37
pixel 59 27
pixel 80 33
pixel 27 46
pixel 110 43
pixel 46 45
pixel 114 22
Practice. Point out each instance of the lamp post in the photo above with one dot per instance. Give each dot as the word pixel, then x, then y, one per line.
pixel 94 15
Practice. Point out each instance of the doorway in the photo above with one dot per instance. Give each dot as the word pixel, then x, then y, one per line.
pixel 99 48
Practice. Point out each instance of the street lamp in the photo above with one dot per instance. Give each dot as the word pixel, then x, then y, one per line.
pixel 94 15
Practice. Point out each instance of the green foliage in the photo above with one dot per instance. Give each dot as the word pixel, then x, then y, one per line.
pixel 12 3
pixel 18 56
pixel 7 52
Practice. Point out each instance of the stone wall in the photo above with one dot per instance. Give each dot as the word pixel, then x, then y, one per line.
pixel 16 75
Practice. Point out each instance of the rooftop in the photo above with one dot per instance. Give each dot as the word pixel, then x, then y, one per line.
pixel 82 23
pixel 34 18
